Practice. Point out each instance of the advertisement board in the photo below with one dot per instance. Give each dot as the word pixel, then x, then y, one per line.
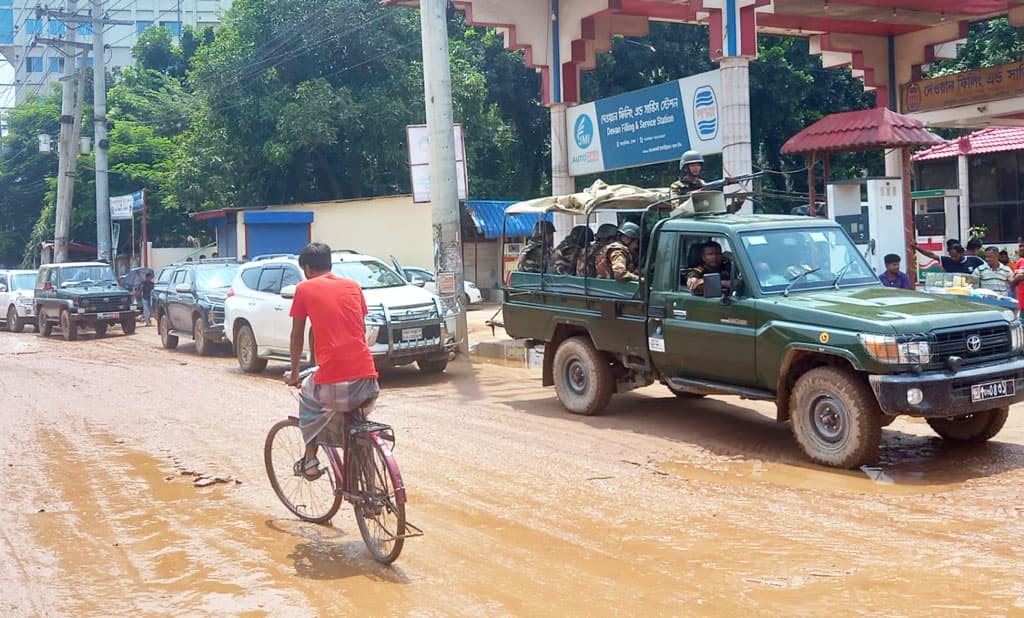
pixel 978 86
pixel 419 161
pixel 646 126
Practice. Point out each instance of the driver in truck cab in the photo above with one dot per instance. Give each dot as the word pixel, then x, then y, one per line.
pixel 711 262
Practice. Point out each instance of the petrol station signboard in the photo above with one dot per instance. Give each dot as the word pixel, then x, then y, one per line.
pixel 646 126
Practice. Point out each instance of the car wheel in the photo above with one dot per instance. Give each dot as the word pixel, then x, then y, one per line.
pixel 836 419
pixel 167 340
pixel 101 329
pixel 43 326
pixel 976 427
pixel 14 323
pixel 583 377
pixel 199 335
pixel 128 325
pixel 245 350
pixel 68 326
pixel 432 366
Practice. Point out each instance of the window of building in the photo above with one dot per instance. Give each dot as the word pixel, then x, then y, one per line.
pixel 58 27
pixel 938 174
pixel 995 194
pixel 174 26
pixel 84 30
pixel 56 65
pixel 78 62
pixel 140 26
pixel 34 64
pixel 33 26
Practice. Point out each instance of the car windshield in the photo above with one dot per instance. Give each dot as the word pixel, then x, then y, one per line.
pixel 87 275
pixel 368 274
pixel 24 281
pixel 819 257
pixel 212 278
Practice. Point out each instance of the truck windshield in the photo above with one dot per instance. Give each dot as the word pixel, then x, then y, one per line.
pixel 368 274
pixel 87 275
pixel 23 282
pixel 816 256
pixel 215 277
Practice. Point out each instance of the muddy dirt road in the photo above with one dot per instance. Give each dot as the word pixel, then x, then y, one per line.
pixel 659 507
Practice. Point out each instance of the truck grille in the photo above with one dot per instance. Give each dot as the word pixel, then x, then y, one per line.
pixel 974 345
pixel 105 303
pixel 217 314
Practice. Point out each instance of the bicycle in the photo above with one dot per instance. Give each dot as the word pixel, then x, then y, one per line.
pixel 368 474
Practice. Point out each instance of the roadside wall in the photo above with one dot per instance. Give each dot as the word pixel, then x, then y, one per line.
pixel 381 227
pixel 158 258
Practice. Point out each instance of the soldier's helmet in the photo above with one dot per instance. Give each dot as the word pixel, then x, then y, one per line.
pixel 630 229
pixel 607 231
pixel 581 235
pixel 690 156
pixel 541 228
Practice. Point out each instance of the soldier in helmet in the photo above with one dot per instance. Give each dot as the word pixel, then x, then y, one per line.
pixel 618 259
pixel 691 164
pixel 567 254
pixel 534 257
pixel 586 266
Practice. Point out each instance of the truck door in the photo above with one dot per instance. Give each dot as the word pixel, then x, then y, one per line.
pixel 179 304
pixel 703 338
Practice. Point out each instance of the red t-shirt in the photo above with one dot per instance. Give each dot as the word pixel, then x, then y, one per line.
pixel 336 308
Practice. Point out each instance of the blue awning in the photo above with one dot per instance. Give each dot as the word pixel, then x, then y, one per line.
pixel 487 216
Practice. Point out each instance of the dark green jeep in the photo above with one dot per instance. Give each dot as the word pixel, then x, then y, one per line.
pixel 77 294
pixel 794 315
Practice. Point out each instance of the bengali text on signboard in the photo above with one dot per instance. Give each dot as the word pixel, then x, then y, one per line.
pixel 967 88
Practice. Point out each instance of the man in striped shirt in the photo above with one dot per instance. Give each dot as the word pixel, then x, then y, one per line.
pixel 993 274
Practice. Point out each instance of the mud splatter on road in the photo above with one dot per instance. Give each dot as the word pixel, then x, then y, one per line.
pixel 659 506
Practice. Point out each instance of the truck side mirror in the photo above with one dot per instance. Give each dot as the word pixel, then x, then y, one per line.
pixel 712 285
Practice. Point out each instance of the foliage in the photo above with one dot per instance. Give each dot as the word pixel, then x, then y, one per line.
pixel 989 43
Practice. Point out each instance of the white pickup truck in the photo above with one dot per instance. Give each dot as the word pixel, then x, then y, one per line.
pixel 406 323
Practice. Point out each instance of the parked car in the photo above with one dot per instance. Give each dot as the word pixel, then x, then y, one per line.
pixel 471 294
pixel 16 291
pixel 76 294
pixel 188 301
pixel 406 324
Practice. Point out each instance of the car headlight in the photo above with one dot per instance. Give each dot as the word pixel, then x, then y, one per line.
pixel 373 323
pixel 25 301
pixel 896 350
pixel 1016 336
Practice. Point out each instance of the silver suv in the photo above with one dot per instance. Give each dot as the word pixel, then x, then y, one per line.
pixel 16 291
pixel 406 323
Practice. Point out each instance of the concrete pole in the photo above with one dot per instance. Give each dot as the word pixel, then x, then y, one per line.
pixel 444 195
pixel 68 154
pixel 561 182
pixel 99 102
pixel 964 208
pixel 737 159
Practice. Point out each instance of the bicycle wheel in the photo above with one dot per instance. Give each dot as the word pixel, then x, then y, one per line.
pixel 380 517
pixel 314 501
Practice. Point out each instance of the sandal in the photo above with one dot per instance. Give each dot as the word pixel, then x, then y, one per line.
pixel 302 468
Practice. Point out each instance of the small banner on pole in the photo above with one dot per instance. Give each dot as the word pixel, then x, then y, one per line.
pixel 121 207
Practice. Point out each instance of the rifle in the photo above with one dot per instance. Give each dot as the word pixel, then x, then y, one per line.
pixel 715 185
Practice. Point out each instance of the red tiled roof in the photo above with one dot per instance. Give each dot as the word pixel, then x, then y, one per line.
pixel 867 129
pixel 992 139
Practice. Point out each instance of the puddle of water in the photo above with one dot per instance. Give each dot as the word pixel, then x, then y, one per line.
pixel 868 480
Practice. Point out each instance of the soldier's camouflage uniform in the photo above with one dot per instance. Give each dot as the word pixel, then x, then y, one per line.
pixel 565 257
pixel 616 261
pixel 585 265
pixel 686 185
pixel 534 257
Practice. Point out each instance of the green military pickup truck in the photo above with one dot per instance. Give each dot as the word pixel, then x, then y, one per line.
pixel 795 316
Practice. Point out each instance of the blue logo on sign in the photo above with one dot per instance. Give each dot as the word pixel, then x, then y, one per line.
pixel 705 113
pixel 583 132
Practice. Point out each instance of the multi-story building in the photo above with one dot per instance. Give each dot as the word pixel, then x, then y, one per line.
pixel 36 65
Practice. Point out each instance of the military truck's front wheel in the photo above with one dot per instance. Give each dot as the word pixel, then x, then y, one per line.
pixel 583 378
pixel 836 419
pixel 977 427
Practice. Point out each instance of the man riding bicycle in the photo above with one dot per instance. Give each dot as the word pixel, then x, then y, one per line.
pixel 347 378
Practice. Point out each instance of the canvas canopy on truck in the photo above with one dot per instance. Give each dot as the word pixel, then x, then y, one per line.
pixel 618 197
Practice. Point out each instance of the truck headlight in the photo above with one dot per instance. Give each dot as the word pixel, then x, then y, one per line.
pixel 896 350
pixel 1016 336
pixel 373 323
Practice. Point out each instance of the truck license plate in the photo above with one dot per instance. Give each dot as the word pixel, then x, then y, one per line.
pixel 106 316
pixel 409 334
pixel 992 390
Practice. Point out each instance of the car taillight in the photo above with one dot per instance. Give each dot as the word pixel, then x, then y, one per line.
pixel 231 292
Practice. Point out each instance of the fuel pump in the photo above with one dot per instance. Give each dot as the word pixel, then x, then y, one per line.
pixel 871 212
pixel 936 217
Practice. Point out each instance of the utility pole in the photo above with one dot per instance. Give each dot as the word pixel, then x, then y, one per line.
pixel 99 103
pixel 444 195
pixel 67 148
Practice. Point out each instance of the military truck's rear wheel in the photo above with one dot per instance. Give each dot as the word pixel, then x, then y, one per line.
pixel 977 427
pixel 128 325
pixel 68 326
pixel 14 323
pixel 836 419
pixel 101 329
pixel 43 325
pixel 167 340
pixel 583 377
pixel 245 350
